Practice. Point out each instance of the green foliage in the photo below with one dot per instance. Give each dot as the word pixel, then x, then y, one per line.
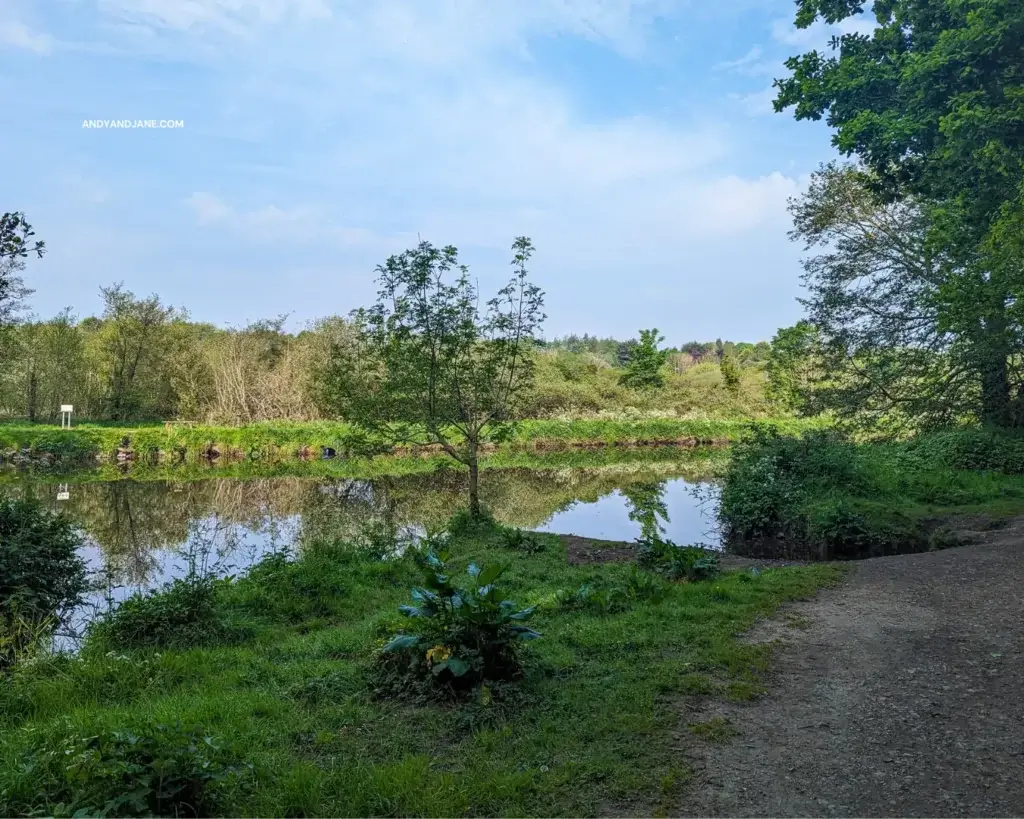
pixel 730 373
pixel 41 574
pixel 598 705
pixel 604 598
pixel 429 366
pixel 158 770
pixel 643 371
pixel 823 495
pixel 691 563
pixel 182 613
pixel 791 365
pixel 458 637
pixel 517 540
pixel 930 104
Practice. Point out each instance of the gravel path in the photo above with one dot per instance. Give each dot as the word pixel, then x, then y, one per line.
pixel 904 696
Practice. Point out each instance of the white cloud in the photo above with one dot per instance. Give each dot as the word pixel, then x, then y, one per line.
pixel 16 34
pixel 208 208
pixel 758 103
pixel 750 58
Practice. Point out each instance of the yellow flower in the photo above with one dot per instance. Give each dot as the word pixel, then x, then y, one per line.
pixel 438 654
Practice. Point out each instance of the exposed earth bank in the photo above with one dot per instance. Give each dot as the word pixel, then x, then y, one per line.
pixel 899 693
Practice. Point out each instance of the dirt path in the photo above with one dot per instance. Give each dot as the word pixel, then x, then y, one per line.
pixel 903 697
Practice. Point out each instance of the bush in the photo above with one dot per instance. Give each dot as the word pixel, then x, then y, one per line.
pixel 458 637
pixel 692 563
pixel 517 540
pixel 42 576
pixel 159 771
pixel 611 599
pixel 181 614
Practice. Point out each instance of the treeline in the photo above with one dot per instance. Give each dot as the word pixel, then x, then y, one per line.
pixel 144 360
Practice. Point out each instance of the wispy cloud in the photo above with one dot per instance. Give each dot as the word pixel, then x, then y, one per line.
pixel 16 34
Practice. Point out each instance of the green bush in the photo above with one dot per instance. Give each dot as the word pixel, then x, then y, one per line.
pixel 517 540
pixel 182 613
pixel 458 637
pixel 692 563
pixel 42 575
pixel 160 770
pixel 603 598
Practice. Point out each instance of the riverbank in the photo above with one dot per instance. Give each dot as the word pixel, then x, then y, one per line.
pixel 279 685
pixel 41 443
pixel 826 497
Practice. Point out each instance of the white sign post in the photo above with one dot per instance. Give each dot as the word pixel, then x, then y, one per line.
pixel 62 492
pixel 65 415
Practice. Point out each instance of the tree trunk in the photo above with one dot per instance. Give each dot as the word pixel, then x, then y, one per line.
pixel 33 393
pixel 993 364
pixel 474 485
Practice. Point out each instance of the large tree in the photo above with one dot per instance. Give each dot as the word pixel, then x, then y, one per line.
pixel 16 244
pixel 932 103
pixel 431 366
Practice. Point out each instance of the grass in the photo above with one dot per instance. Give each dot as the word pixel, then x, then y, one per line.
pixel 839 498
pixel 270 440
pixel 285 683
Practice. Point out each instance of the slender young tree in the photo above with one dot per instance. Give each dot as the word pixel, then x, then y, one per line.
pixel 430 365
pixel 644 369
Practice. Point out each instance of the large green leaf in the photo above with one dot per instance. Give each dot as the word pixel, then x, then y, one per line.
pixel 524 632
pixel 490 574
pixel 525 614
pixel 402 641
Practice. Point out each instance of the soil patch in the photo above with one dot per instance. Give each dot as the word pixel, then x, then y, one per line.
pixel 897 694
pixel 588 550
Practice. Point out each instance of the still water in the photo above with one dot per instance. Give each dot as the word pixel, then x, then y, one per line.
pixel 141 534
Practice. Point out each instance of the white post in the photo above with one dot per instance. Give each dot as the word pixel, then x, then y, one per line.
pixel 65 415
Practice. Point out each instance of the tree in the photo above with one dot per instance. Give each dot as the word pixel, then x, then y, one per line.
pixel 931 104
pixel 134 339
pixel 730 373
pixel 430 366
pixel 16 244
pixel 896 332
pixel 791 366
pixel 644 368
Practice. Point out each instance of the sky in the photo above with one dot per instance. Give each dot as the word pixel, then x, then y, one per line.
pixel 633 140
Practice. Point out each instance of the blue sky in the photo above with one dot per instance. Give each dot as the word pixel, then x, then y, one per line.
pixel 632 140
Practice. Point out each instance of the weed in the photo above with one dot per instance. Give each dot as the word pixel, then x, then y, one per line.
pixel 519 541
pixel 692 563
pixel 160 770
pixel 182 613
pixel 716 729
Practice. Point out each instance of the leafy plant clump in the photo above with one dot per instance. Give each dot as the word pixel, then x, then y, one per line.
pixel 517 540
pixel 161 770
pixel 611 599
pixel 690 563
pixel 41 574
pixel 459 637
pixel 183 613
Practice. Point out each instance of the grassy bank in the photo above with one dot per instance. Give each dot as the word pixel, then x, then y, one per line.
pixel 269 440
pixel 278 673
pixel 700 462
pixel 830 496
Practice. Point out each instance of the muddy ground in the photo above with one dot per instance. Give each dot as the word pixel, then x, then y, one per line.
pixel 899 693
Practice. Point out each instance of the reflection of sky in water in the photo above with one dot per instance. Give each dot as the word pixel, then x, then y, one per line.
pixel 607 518
pixel 218 546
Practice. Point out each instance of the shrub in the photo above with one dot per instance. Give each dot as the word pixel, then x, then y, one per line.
pixel 42 575
pixel 181 614
pixel 519 541
pixel 159 771
pixel 611 599
pixel 458 637
pixel 692 563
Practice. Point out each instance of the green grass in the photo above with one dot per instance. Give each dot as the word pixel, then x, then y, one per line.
pixel 282 439
pixel 288 688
